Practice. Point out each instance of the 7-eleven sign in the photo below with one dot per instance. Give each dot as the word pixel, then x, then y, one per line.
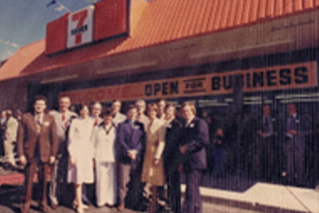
pixel 80 27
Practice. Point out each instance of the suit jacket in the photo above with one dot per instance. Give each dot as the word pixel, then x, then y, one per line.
pixel 195 136
pixel 302 125
pixel 130 136
pixel 172 139
pixel 30 140
pixel 259 124
pixel 119 118
pixel 62 129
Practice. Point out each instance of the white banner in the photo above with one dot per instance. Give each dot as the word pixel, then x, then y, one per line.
pixel 80 27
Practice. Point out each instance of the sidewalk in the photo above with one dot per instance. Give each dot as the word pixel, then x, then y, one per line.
pixel 266 197
pixel 239 192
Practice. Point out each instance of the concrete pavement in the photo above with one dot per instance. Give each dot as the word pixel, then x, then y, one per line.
pixel 266 197
pixel 254 196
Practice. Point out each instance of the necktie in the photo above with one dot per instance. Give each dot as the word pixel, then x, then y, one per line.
pixel 64 121
pixel 95 122
pixel 291 123
pixel 38 123
pixel 267 124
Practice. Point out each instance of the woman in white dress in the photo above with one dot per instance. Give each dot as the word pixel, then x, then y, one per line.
pixel 81 151
pixel 105 162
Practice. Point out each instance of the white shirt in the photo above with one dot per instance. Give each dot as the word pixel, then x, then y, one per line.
pixel 105 143
pixel 189 121
pixel 38 118
pixel 167 122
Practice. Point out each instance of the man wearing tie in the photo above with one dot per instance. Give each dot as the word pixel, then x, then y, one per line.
pixel 129 152
pixel 194 139
pixel 296 130
pixel 96 109
pixel 63 119
pixel 118 117
pixel 141 117
pixel 37 147
pixel 265 152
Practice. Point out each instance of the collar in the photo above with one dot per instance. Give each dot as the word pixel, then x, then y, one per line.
pixel 130 121
pixel 66 113
pixel 170 120
pixel 39 115
pixel 294 115
pixel 190 120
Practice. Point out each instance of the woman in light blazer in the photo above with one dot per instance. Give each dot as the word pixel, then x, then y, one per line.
pixel 105 161
pixel 81 151
pixel 153 168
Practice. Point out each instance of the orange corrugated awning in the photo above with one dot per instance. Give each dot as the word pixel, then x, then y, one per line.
pixel 158 22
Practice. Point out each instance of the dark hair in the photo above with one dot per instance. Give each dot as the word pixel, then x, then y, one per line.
pixel 40 98
pixel 168 106
pixel 64 96
pixel 79 107
pixel 151 107
pixel 131 106
pixel 107 112
pixel 116 100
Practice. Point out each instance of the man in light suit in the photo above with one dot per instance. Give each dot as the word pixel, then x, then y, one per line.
pixel 63 119
pixel 37 147
pixel 129 153
pixel 118 117
pixel 297 128
pixel 10 138
pixel 194 139
pixel 141 117
pixel 96 109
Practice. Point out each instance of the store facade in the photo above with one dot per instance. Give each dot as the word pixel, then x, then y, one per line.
pixel 178 51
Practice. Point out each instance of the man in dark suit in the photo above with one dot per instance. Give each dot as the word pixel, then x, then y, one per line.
pixel 129 152
pixel 193 141
pixel 297 128
pixel 37 147
pixel 3 120
pixel 266 131
pixel 171 160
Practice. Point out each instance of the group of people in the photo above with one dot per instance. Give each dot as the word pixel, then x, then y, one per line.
pixel 127 156
pixel 268 147
pixel 138 155
pixel 292 133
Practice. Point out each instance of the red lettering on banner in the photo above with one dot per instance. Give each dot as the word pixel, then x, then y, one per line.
pixel 80 17
pixel 100 94
pixel 125 92
pixel 113 93
pixel 89 96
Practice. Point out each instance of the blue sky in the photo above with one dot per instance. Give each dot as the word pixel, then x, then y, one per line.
pixel 24 21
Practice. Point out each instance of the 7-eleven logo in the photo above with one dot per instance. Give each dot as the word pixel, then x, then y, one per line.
pixel 80 27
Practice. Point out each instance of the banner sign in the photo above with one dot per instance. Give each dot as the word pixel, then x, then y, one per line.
pixel 294 76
